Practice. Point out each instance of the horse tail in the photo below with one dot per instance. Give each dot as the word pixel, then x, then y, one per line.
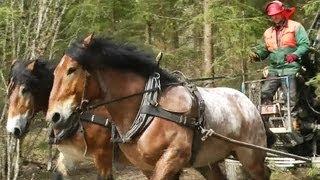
pixel 271 137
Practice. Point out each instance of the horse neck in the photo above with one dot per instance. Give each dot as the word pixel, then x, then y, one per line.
pixel 117 84
pixel 41 106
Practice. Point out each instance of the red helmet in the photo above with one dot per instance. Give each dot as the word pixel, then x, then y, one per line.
pixel 274 7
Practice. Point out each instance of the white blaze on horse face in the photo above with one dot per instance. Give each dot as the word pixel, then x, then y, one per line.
pixel 62 61
pixel 20 109
pixel 19 121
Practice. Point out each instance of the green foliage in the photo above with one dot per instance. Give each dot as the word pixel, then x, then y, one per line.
pixel 315 82
pixel 184 59
pixel 313 172
pixel 311 7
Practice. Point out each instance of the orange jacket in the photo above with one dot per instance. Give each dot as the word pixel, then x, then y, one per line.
pixel 286 37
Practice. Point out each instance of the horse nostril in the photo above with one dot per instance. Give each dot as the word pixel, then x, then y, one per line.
pixel 16 132
pixel 56 117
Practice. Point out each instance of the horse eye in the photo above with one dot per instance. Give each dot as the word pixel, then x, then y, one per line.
pixel 71 70
pixel 24 90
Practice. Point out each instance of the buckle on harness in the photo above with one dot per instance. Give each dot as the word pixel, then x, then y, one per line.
pixel 206 133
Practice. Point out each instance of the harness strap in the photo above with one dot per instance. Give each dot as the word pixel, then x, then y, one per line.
pixel 192 88
pixel 174 117
pixel 201 106
pixel 142 120
pixel 85 116
pixel 96 119
pixel 63 134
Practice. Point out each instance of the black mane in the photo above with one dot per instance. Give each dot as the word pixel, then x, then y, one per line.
pixel 38 81
pixel 103 51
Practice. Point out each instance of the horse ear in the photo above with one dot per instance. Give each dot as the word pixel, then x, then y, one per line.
pixel 10 80
pixel 159 58
pixel 32 65
pixel 87 41
pixel 13 63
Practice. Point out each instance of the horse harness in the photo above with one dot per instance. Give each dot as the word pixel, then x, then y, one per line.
pixel 149 109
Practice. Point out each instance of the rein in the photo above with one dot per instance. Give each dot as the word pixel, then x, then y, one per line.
pixel 86 106
pixel 95 105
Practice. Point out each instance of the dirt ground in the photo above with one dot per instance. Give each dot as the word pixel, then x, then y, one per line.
pixel 36 170
pixel 87 172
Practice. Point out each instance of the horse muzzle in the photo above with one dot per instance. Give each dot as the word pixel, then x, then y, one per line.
pixel 60 122
pixel 18 128
pixel 18 132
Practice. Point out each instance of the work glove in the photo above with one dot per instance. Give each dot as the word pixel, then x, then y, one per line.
pixel 253 57
pixel 291 57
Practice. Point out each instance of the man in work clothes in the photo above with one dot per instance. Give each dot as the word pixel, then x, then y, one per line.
pixel 283 44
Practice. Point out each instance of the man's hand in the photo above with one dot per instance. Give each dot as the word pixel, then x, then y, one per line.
pixel 253 57
pixel 291 58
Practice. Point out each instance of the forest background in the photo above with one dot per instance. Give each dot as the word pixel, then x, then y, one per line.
pixel 201 38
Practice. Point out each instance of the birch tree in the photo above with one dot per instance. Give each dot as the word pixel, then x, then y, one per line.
pixel 29 30
pixel 207 40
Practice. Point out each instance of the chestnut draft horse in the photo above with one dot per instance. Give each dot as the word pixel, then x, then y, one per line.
pixel 28 93
pixel 119 76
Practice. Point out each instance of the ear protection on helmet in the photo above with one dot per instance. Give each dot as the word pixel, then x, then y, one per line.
pixel 282 6
pixel 278 7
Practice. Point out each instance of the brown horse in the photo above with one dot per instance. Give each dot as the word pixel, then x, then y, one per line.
pixel 122 77
pixel 29 88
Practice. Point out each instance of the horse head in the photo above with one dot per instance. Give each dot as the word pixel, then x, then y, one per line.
pixel 73 87
pixel 27 81
pixel 99 69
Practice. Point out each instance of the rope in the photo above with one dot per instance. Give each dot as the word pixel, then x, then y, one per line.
pixel 253 146
pixel 220 77
pixel 119 99
pixel 82 130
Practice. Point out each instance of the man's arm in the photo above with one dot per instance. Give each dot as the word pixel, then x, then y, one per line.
pixel 262 50
pixel 302 40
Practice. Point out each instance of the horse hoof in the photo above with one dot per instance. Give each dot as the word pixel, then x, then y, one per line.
pixel 110 177
pixel 57 176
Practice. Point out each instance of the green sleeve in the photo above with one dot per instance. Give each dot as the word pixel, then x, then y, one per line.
pixel 302 40
pixel 262 50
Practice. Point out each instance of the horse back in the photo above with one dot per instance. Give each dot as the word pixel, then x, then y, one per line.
pixel 176 99
pixel 229 110
pixel 230 113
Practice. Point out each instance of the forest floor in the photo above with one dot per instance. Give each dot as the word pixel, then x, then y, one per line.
pixel 36 155
pixel 87 172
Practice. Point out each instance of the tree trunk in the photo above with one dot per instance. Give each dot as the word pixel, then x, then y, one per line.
pixel 197 29
pixel 174 37
pixel 197 36
pixel 148 33
pixel 244 45
pixel 207 41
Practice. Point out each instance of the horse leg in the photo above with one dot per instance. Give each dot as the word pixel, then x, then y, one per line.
pixel 148 174
pixel 170 163
pixel 212 172
pixel 62 167
pixel 60 170
pixel 253 163
pixel 103 164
